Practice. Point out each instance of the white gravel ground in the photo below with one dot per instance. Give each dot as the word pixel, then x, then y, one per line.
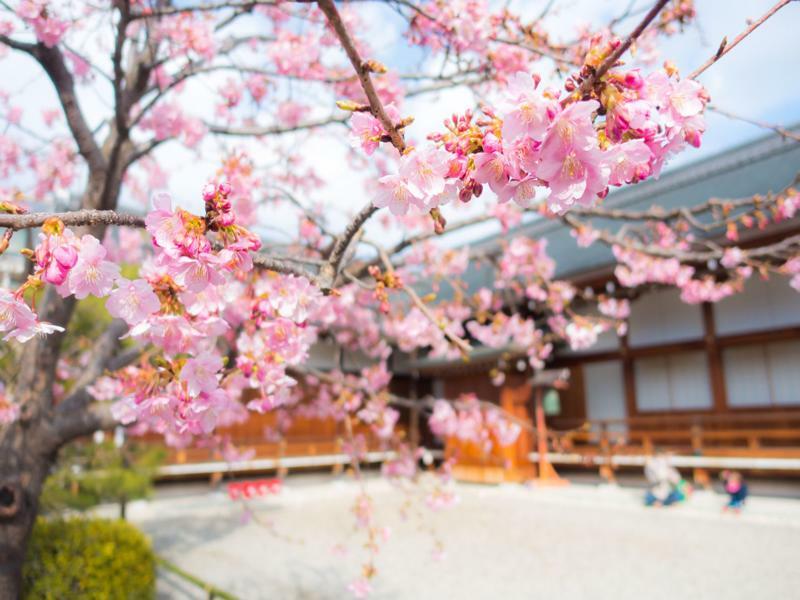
pixel 503 542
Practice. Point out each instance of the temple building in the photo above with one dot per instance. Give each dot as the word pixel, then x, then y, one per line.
pixel 716 379
pixel 740 353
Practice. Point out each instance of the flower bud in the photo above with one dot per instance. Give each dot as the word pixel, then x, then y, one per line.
pixel 209 191
pixel 633 80
pixel 66 256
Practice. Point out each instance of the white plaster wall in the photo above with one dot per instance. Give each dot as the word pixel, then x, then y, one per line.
pixel 605 390
pixel 660 317
pixel 763 374
pixel 770 304
pixel 673 382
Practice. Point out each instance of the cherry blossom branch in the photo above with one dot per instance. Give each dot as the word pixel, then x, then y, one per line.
pixel 95 416
pixel 558 59
pixel 612 58
pixel 274 129
pixel 287 267
pixel 165 11
pixel 724 47
pixel 460 343
pixel 120 111
pixel 401 401
pixel 784 133
pixel 415 239
pixel 715 253
pixel 91 217
pixel 363 70
pixel 330 271
pixel 76 218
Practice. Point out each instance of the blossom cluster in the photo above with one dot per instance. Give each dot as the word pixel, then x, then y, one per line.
pixel 188 294
pixel 637 268
pixel 466 420
pixel 535 139
pixel 47 25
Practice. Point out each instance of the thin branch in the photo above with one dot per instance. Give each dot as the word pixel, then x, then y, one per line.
pixel 612 58
pixel 363 71
pixel 164 11
pixel 329 272
pixel 273 129
pixel 725 48
pixel 460 343
pixel 784 133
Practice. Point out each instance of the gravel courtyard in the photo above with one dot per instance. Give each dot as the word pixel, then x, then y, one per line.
pixel 508 542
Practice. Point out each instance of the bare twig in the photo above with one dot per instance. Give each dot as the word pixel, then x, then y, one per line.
pixel 363 71
pixel 784 133
pixel 460 343
pixel 724 49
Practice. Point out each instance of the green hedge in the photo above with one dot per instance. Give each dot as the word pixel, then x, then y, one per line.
pixel 88 559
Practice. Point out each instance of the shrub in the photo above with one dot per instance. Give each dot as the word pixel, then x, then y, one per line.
pixel 88 559
pixel 88 474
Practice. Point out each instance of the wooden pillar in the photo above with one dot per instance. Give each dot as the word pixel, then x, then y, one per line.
pixel 547 474
pixel 541 433
pixel 414 434
pixel 716 375
pixel 628 377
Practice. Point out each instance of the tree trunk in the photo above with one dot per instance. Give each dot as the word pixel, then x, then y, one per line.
pixel 24 463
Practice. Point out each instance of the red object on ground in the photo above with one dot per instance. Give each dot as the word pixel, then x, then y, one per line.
pixel 256 487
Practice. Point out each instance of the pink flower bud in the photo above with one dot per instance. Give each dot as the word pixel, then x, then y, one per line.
pixel 66 256
pixel 209 191
pixel 55 273
pixel 226 219
pixel 224 188
pixel 633 80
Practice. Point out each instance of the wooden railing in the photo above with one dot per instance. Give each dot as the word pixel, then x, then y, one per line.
pixel 304 450
pixel 759 441
pixel 774 434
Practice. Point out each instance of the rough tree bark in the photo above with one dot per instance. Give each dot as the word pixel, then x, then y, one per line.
pixel 28 446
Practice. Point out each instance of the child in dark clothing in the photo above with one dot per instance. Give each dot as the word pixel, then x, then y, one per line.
pixel 736 489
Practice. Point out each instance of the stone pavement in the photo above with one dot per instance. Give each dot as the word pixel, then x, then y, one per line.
pixel 509 542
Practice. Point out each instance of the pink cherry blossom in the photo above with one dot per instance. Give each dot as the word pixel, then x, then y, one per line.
pixel 425 171
pixel 200 373
pixel 394 193
pixel 732 257
pixel 360 588
pixel 525 110
pixel 195 274
pixel 92 274
pixel 41 16
pixel 15 315
pixel 366 131
pixel 630 162
pixel 614 307
pixel 582 335
pixel 572 164
pixel 133 301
